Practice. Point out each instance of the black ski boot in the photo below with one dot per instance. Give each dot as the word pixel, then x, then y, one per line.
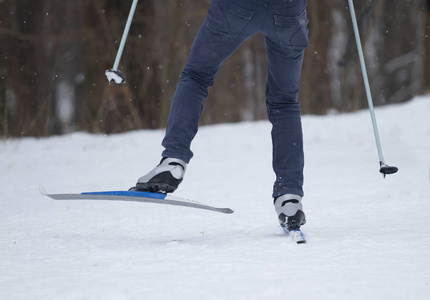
pixel 290 211
pixel 164 178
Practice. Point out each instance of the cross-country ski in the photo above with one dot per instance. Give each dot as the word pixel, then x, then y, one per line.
pixel 136 196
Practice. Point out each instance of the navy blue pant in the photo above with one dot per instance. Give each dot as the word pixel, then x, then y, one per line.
pixel 227 25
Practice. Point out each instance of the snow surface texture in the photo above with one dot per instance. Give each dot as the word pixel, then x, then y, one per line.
pixel 368 237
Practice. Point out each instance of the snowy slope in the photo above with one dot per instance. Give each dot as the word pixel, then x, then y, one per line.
pixel 368 237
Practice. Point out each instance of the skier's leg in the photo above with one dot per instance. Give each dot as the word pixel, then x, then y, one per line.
pixel 284 53
pixel 284 113
pixel 219 36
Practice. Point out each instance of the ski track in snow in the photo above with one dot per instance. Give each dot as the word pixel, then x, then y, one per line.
pixel 368 237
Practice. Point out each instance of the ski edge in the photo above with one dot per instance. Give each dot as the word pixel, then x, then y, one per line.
pixel 296 235
pixel 161 199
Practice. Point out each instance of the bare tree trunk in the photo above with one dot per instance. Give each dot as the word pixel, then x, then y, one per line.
pixel 427 47
pixel 25 62
pixel 393 41
pixel 314 74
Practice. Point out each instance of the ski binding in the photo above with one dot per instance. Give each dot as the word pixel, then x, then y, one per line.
pixel 296 235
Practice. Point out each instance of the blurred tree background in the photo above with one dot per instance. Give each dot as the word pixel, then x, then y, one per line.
pixel 53 55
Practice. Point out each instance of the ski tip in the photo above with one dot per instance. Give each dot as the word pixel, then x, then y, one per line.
pixel 42 190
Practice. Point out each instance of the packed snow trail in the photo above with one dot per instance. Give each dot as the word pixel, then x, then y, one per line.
pixel 367 237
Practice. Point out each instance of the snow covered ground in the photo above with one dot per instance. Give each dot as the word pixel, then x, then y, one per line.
pixel 368 237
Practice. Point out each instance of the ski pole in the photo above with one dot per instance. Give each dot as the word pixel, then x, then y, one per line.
pixel 384 169
pixel 113 75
